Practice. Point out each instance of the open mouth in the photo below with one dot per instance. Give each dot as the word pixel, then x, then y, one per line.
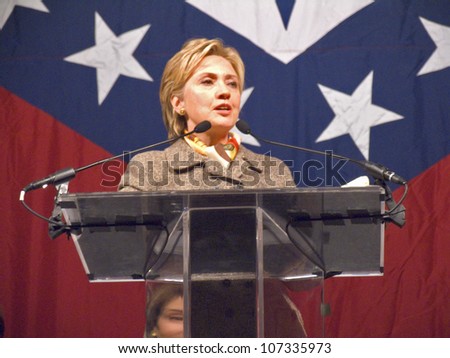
pixel 223 107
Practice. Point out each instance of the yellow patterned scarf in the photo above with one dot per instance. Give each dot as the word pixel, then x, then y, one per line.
pixel 223 153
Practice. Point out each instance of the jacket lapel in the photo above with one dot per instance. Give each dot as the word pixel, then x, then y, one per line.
pixel 182 158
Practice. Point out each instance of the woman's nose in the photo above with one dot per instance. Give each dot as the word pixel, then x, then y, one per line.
pixel 223 91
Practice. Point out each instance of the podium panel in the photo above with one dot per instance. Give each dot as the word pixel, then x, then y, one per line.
pixel 227 248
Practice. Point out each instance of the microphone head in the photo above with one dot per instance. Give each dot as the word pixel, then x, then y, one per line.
pixel 202 127
pixel 243 126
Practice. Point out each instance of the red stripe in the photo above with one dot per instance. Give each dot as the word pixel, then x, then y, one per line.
pixel 43 288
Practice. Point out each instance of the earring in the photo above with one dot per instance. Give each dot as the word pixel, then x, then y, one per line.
pixel 182 112
pixel 153 334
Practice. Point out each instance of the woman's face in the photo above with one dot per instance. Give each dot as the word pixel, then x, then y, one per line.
pixel 170 321
pixel 211 93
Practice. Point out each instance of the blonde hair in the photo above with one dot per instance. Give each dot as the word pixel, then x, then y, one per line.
pixel 181 67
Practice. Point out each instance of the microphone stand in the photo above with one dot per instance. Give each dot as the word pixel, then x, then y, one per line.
pixel 61 178
pixel 381 174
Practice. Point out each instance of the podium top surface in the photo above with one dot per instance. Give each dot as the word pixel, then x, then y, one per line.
pixel 118 207
pixel 233 191
pixel 246 196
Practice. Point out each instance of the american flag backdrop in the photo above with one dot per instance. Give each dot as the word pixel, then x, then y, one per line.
pixel 367 79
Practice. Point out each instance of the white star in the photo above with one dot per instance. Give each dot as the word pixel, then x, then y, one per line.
pixel 355 114
pixel 7 7
pixel 112 56
pixel 246 138
pixel 440 58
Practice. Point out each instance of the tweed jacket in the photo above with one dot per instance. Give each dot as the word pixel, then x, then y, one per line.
pixel 179 167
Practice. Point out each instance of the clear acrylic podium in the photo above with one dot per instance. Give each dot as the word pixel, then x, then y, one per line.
pixel 232 250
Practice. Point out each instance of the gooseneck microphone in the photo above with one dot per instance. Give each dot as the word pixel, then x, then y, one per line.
pixel 396 212
pixel 376 170
pixel 67 174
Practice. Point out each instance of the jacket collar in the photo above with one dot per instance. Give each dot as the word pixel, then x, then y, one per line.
pixel 183 158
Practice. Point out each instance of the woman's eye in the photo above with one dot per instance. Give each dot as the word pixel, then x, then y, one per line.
pixel 233 84
pixel 176 318
pixel 207 81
